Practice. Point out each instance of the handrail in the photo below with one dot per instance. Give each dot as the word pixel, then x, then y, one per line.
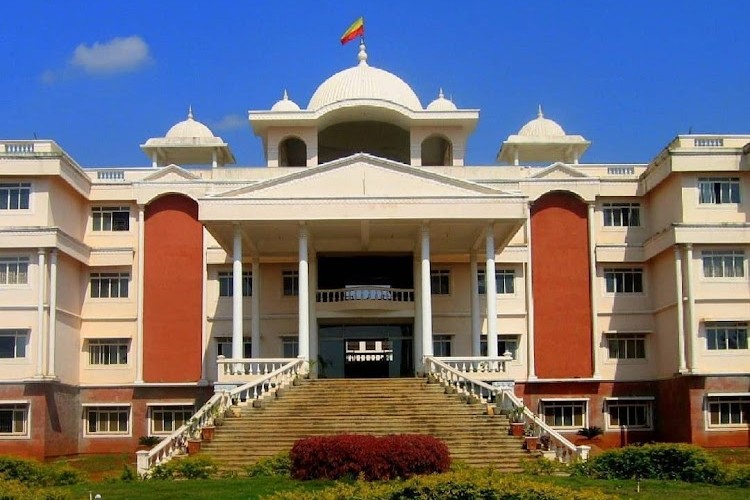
pixel 478 364
pixel 365 292
pixel 176 442
pixel 565 451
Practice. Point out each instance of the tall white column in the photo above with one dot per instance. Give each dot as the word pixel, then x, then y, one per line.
pixel 313 344
pixel 692 347
pixel 418 359
pixel 426 294
pixel 237 314
pixel 154 159
pixel 141 286
pixel 491 292
pixel 595 334
pixel 680 310
pixel 42 271
pixel 303 293
pixel 476 322
pixel 214 159
pixel 255 325
pixel 530 338
pixel 52 313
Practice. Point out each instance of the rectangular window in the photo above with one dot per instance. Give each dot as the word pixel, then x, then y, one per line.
pixel 729 411
pixel 718 190
pixel 167 419
pixel 626 346
pixel 109 285
pixel 723 264
pixel 622 214
pixel 224 347
pixel 107 420
pixel 624 280
pixel 111 218
pixel 505 343
pixel 440 281
pixel 504 281
pixel 13 343
pixel 108 351
pixel 226 283
pixel 289 347
pixel 15 196
pixel 441 345
pixel 726 336
pixel 13 419
pixel 630 413
pixel 14 270
pixel 564 414
pixel 291 283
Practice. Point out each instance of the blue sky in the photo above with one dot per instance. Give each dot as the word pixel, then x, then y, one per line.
pixel 102 77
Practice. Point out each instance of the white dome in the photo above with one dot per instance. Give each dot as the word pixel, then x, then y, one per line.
pixel 285 104
pixel 364 82
pixel 189 128
pixel 541 127
pixel 441 104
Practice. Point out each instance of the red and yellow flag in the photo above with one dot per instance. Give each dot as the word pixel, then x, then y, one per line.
pixel 356 29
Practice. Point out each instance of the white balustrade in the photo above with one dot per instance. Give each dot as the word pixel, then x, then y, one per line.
pixel 358 293
pixel 19 147
pixel 478 364
pixel 620 170
pixel 564 450
pixel 709 142
pixel 110 175
pixel 176 443
pixel 246 369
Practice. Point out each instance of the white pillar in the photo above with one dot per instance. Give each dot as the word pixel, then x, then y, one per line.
pixel 303 292
pixel 141 286
pixel 426 294
pixel 52 313
pixel 313 324
pixel 595 334
pixel 530 358
pixel 237 314
pixel 154 159
pixel 680 310
pixel 515 156
pixel 692 347
pixel 41 270
pixel 214 162
pixel 476 322
pixel 255 325
pixel 418 360
pixel 491 292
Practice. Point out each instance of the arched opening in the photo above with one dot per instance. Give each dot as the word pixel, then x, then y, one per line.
pixel 437 151
pixel 376 138
pixel 292 152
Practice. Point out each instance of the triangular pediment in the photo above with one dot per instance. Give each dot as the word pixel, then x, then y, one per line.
pixel 170 173
pixel 559 171
pixel 362 176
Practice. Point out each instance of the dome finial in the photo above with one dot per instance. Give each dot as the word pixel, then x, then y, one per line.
pixel 190 112
pixel 539 112
pixel 362 56
pixel 440 94
pixel 286 96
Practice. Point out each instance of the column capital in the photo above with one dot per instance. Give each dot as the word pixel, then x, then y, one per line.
pixel 688 246
pixel 41 251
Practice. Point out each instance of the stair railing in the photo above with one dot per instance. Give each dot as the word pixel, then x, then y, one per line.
pixel 564 450
pixel 176 443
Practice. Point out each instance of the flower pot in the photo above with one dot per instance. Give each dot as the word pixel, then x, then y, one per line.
pixel 516 429
pixel 194 446
pixel 531 442
pixel 207 433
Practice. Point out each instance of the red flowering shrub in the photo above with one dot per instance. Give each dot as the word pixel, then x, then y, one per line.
pixel 375 458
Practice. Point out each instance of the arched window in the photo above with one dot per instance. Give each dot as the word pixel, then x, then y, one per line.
pixel 292 152
pixel 437 151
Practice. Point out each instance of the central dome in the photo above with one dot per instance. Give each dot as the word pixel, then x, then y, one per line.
pixel 364 82
pixel 189 128
pixel 541 127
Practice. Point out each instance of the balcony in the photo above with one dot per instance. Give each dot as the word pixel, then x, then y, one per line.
pixel 367 297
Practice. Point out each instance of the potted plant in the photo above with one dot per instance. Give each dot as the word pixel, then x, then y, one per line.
pixel 531 440
pixel 147 442
pixel 517 421
pixel 194 441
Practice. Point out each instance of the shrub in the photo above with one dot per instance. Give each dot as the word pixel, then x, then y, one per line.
pixel 128 474
pixel 655 461
pixel 276 466
pixel 15 490
pixel 591 432
pixel 542 466
pixel 371 457
pixel 737 475
pixel 33 473
pixel 195 467
pixel 149 441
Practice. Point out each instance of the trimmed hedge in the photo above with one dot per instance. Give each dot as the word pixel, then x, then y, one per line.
pixel 369 457
pixel 193 467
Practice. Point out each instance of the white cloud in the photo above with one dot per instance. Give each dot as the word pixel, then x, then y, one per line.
pixel 231 122
pixel 118 55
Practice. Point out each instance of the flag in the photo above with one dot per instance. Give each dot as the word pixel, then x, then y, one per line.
pixel 356 29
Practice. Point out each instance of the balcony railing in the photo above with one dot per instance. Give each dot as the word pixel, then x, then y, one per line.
pixel 363 293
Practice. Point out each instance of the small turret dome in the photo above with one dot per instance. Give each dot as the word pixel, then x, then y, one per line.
pixel 441 104
pixel 285 104
pixel 541 127
pixel 189 128
pixel 364 82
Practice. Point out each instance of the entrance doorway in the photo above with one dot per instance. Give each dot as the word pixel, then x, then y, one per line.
pixel 365 351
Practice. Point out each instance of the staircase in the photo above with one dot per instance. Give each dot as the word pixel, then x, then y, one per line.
pixel 365 406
